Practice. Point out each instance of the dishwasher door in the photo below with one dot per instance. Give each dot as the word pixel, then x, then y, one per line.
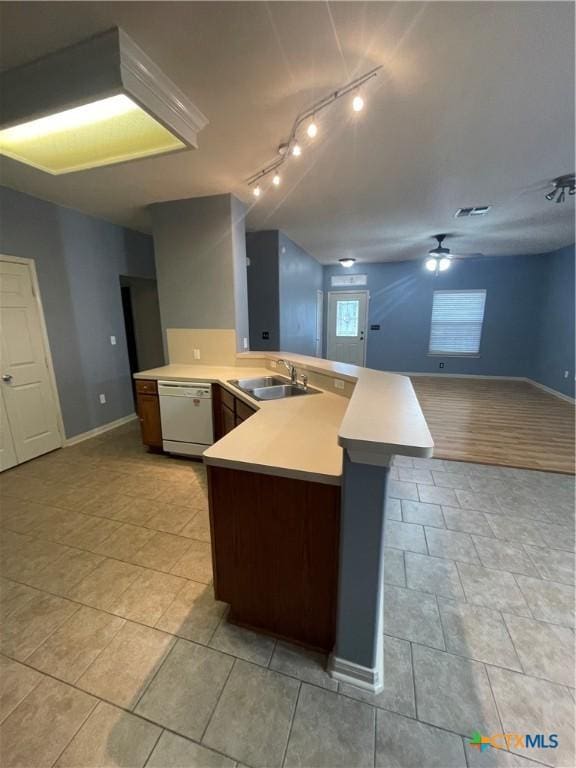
pixel 186 416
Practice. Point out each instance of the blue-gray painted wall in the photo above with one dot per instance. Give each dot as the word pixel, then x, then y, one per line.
pixel 556 344
pixel 282 283
pixel 79 260
pixel 300 278
pixel 528 323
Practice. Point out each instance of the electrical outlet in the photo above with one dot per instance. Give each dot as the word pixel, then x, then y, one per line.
pixel 113 340
pixel 566 374
pixel 273 364
pixel 102 398
pixel 440 365
pixel 338 384
pixel 196 353
pixel 245 342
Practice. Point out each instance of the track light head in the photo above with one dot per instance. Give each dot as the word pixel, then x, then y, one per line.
pixel 358 103
pixel 276 179
pixel 296 150
pixel 257 191
pixel 312 130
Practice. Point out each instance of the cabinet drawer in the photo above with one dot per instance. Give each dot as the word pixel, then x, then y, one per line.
pixel 244 411
pixel 227 398
pixel 146 387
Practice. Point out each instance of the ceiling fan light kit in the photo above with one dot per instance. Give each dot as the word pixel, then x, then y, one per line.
pixel 99 102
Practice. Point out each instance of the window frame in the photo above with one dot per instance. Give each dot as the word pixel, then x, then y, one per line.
pixel 458 354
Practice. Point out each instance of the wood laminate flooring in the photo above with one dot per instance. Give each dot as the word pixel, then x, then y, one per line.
pixel 507 423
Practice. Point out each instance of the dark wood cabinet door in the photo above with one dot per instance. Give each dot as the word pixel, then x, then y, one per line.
pixel 227 420
pixel 149 415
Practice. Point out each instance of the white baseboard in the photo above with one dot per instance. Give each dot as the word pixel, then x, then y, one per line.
pixel 534 383
pixel 99 430
pixel 551 391
pixel 369 679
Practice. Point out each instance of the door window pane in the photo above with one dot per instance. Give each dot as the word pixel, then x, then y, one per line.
pixel 347 317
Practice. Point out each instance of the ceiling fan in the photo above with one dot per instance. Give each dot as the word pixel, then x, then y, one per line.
pixel 440 258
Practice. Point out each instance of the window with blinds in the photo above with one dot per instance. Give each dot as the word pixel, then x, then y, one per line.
pixel 456 326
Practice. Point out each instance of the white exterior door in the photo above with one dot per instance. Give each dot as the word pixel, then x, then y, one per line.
pixel 347 318
pixel 29 398
pixel 319 321
pixel 7 451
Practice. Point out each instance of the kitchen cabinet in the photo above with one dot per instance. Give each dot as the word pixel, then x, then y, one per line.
pixel 229 411
pixel 275 544
pixel 148 409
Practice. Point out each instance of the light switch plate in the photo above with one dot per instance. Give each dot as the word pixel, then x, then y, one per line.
pixel 113 340
pixel 196 354
pixel 338 384
pixel 102 398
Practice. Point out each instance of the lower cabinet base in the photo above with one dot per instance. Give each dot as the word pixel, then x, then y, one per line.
pixel 275 553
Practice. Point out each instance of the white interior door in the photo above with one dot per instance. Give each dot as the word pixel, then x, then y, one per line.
pixel 319 321
pixel 31 407
pixel 347 318
pixel 7 451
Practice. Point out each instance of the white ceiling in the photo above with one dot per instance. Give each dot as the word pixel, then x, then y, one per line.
pixel 474 105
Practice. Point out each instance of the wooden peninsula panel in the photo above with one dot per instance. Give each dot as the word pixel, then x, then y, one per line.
pixel 275 553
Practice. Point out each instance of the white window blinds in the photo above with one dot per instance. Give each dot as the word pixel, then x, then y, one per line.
pixel 456 326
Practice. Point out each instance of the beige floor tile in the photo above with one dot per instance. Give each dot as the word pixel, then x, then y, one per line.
pixel 57 524
pixel 125 542
pixel 148 597
pixel 169 517
pixel 302 663
pixel 196 563
pixel 252 720
pixel 106 584
pixel 68 652
pixel 30 557
pixel 28 625
pixel 199 527
pixel 110 737
pixel 62 575
pixel 92 532
pixel 74 498
pixel 185 691
pixel 23 516
pixel 176 752
pixel 194 613
pixel 243 643
pixel 13 595
pixel 108 504
pixel 125 667
pixel 16 683
pixel 162 551
pixel 37 731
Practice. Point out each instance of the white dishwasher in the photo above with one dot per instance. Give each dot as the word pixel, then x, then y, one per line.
pixel 186 416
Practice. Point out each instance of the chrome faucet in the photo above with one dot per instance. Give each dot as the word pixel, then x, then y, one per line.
pixel 292 369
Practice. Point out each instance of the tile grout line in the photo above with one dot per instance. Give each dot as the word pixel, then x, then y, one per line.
pixel 292 718
pixel 162 731
pixel 214 708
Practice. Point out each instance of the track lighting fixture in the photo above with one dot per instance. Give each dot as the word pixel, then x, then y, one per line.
pixel 312 130
pixel 348 262
pixel 257 191
pixel 276 179
pixel 562 184
pixel 292 147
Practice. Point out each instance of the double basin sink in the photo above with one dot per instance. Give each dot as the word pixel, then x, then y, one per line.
pixel 271 388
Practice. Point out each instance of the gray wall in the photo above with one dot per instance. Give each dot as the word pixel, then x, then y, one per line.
pixel 79 260
pixel 263 289
pixel 146 319
pixel 199 247
pixel 282 283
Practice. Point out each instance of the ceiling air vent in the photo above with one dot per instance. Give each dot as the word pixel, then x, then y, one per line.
pixel 479 210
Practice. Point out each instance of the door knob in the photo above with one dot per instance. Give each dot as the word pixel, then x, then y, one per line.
pixel 6 377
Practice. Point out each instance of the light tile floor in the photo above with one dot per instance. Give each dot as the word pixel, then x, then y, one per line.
pixel 115 653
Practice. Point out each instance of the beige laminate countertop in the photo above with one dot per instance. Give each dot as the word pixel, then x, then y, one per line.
pixel 303 437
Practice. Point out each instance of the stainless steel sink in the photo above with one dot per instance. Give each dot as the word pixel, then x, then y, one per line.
pixel 271 388
pixel 282 390
pixel 264 381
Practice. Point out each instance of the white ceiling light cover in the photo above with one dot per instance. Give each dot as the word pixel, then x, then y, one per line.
pixel 99 102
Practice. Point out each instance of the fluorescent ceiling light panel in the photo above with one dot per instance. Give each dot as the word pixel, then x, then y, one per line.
pixel 100 102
